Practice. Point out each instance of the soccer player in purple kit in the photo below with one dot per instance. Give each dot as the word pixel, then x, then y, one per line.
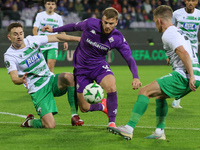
pixel 99 37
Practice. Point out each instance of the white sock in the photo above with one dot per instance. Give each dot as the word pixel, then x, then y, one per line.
pixel 74 115
pixel 29 123
pixel 110 123
pixel 129 128
pixel 103 107
pixel 159 131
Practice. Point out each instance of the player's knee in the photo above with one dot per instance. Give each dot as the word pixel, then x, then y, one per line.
pixel 142 91
pixel 110 89
pixel 69 78
pixel 50 125
pixel 84 108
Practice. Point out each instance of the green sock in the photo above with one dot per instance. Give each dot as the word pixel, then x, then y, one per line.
pixel 161 112
pixel 36 123
pixel 71 100
pixel 138 110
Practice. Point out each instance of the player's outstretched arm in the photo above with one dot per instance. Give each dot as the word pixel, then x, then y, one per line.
pixel 185 58
pixel 16 79
pixel 62 38
pixel 48 28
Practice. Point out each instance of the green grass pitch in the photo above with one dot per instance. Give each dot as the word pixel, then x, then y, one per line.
pixel 182 125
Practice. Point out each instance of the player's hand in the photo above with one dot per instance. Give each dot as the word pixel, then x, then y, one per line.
pixel 167 61
pixel 191 83
pixel 136 83
pixel 65 44
pixel 48 28
pixel 24 79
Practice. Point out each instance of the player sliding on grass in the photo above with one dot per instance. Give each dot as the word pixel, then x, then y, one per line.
pixel 184 78
pixel 26 65
pixel 99 37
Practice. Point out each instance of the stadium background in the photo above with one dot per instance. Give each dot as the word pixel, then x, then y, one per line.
pixel 135 23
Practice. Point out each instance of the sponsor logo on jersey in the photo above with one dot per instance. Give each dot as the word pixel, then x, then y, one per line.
pixel 111 39
pixel 189 26
pixel 93 32
pixel 124 40
pixel 33 60
pixel 106 67
pixel 98 45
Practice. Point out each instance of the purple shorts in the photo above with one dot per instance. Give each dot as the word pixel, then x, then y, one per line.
pixel 86 76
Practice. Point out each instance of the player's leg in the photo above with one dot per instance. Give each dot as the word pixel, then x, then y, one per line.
pixel 109 85
pixel 161 114
pixel 65 82
pixel 82 80
pixel 85 106
pixel 48 121
pixel 176 103
pixel 52 55
pixel 51 63
pixel 45 105
pixel 145 93
pixel 162 88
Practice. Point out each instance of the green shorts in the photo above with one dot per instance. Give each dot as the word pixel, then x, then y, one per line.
pixel 175 85
pixel 43 99
pixel 50 53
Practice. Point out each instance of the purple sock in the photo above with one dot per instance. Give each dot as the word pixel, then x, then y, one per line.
pixel 96 107
pixel 112 106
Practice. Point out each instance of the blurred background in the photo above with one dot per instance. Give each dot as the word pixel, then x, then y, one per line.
pixel 135 23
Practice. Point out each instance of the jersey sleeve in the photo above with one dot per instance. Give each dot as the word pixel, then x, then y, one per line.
pixel 60 22
pixel 9 63
pixel 79 26
pixel 174 18
pixel 126 53
pixel 40 40
pixel 37 21
pixel 172 40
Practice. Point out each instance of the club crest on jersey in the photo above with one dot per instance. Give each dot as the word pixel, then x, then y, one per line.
pixel 39 110
pixel 93 32
pixel 111 39
pixel 77 86
pixel 33 60
pixel 34 46
pixel 7 64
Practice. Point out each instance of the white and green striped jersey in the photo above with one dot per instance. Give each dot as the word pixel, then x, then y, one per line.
pixel 189 23
pixel 173 38
pixel 29 60
pixel 54 21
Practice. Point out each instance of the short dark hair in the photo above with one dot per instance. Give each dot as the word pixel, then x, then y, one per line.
pixel 45 1
pixel 110 12
pixel 14 25
pixel 163 11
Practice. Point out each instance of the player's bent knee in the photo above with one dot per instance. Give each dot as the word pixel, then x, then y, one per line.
pixel 110 89
pixel 69 78
pixel 142 91
pixel 49 125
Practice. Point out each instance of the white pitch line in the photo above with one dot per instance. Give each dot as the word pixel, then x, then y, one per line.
pixel 23 116
pixel 7 113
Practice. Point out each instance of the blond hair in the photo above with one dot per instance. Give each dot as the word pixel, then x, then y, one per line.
pixel 164 12
pixel 110 12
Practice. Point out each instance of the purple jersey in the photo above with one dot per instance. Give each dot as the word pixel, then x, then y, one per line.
pixel 94 45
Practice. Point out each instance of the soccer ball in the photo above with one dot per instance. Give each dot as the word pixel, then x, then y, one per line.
pixel 93 93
